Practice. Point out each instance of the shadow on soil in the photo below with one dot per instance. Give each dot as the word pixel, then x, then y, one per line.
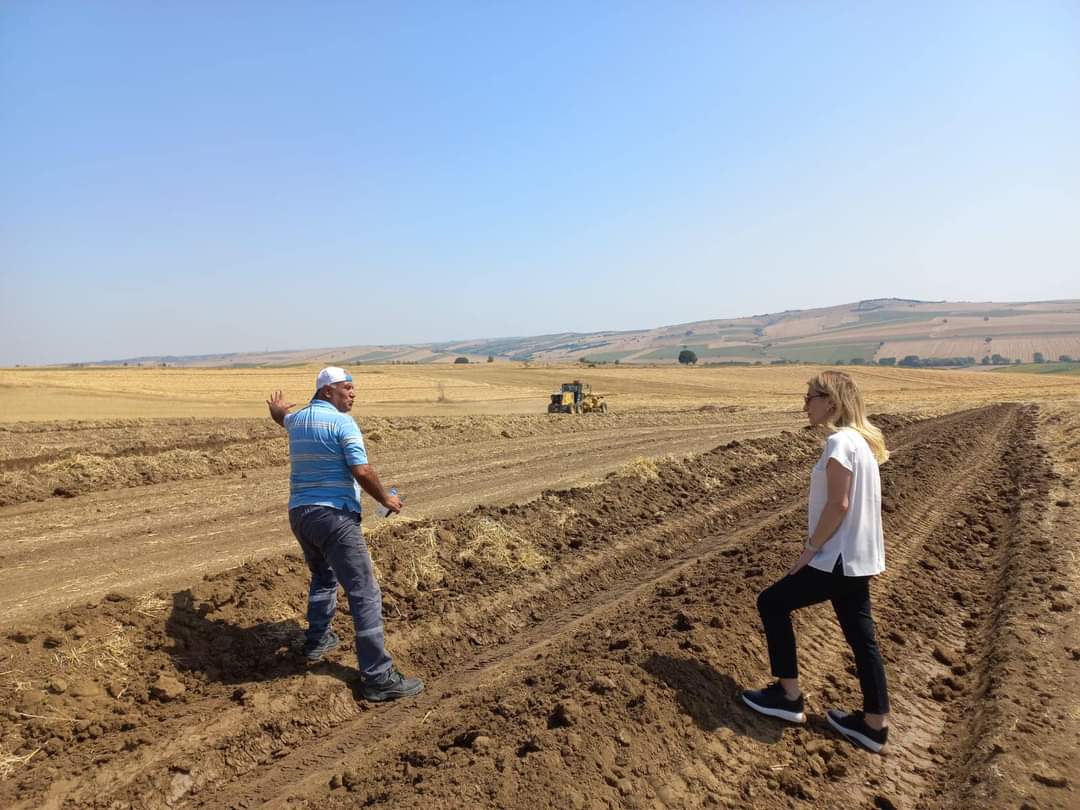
pixel 231 654
pixel 711 698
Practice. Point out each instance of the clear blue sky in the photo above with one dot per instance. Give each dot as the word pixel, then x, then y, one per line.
pixel 203 177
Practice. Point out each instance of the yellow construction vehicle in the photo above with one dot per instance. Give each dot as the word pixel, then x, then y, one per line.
pixel 577 397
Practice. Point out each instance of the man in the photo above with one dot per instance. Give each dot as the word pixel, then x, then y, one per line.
pixel 326 451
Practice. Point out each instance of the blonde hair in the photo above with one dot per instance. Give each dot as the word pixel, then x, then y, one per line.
pixel 849 412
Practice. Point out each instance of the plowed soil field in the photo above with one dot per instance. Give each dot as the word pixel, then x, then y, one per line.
pixel 581 603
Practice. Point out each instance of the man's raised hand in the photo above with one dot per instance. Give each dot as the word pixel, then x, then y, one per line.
pixel 279 407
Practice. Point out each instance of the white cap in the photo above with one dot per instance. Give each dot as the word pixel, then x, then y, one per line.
pixel 331 375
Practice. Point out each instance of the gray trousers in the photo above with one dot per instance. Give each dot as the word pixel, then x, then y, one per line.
pixel 335 551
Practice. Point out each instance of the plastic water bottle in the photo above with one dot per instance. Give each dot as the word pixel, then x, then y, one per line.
pixel 386 511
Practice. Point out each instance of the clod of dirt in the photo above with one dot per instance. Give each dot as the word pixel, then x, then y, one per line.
pixel 21 636
pixel 529 746
pixel 1064 503
pixel 85 689
pixel 575 799
pixel 883 802
pixel 463 739
pixel 793 786
pixel 754 572
pixel 602 685
pixel 350 780
pixel 167 688
pixel 683 623
pixel 57 686
pixel 1050 779
pixel 942 656
pixel 566 714
pixel 1061 606
pixel 483 744
pixel 896 637
pixel 837 770
pixel 822 748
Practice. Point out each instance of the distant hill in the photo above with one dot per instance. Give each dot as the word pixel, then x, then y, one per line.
pixel 865 331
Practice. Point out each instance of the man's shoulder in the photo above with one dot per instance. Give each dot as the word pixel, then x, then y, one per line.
pixel 329 415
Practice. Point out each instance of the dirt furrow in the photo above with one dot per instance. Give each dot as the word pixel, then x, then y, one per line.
pixel 596 658
pixel 583 529
pixel 826 661
pixel 928 630
pixel 36 466
pixel 721 774
pixel 310 768
pixel 168 534
pixel 306 775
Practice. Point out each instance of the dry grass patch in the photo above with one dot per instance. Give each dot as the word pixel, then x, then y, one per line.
pixel 488 542
pixel 10 763
pixel 108 653
pixel 15 681
pixel 562 517
pixel 645 469
pixel 152 605
pixel 415 554
pixel 424 565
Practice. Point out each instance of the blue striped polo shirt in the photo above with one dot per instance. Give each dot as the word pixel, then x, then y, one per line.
pixel 323 444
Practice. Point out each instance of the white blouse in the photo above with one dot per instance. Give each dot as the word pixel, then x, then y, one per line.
pixel 859 539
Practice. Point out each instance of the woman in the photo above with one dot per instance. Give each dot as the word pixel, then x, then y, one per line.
pixel 844 550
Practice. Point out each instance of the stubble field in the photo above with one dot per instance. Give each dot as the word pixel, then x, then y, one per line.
pixel 577 591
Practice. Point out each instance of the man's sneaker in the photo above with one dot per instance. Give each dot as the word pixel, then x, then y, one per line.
pixel 774 702
pixel 853 726
pixel 316 651
pixel 393 686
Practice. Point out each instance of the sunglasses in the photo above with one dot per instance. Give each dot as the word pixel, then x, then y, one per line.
pixel 808 397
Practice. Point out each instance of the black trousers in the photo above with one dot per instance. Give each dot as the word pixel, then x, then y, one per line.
pixel 850 597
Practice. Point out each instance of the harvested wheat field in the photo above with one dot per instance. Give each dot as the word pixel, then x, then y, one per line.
pixel 577 591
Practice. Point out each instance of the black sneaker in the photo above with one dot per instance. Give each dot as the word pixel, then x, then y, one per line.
pixel 315 652
pixel 393 686
pixel 774 702
pixel 853 726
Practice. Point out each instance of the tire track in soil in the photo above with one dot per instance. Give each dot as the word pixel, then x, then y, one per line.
pixel 915 761
pixel 307 769
pixel 917 764
pixel 921 528
pixel 612 597
pixel 1017 740
pixel 580 578
pixel 311 768
pixel 106 779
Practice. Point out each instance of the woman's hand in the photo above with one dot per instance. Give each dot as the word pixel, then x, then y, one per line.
pixel 803 561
